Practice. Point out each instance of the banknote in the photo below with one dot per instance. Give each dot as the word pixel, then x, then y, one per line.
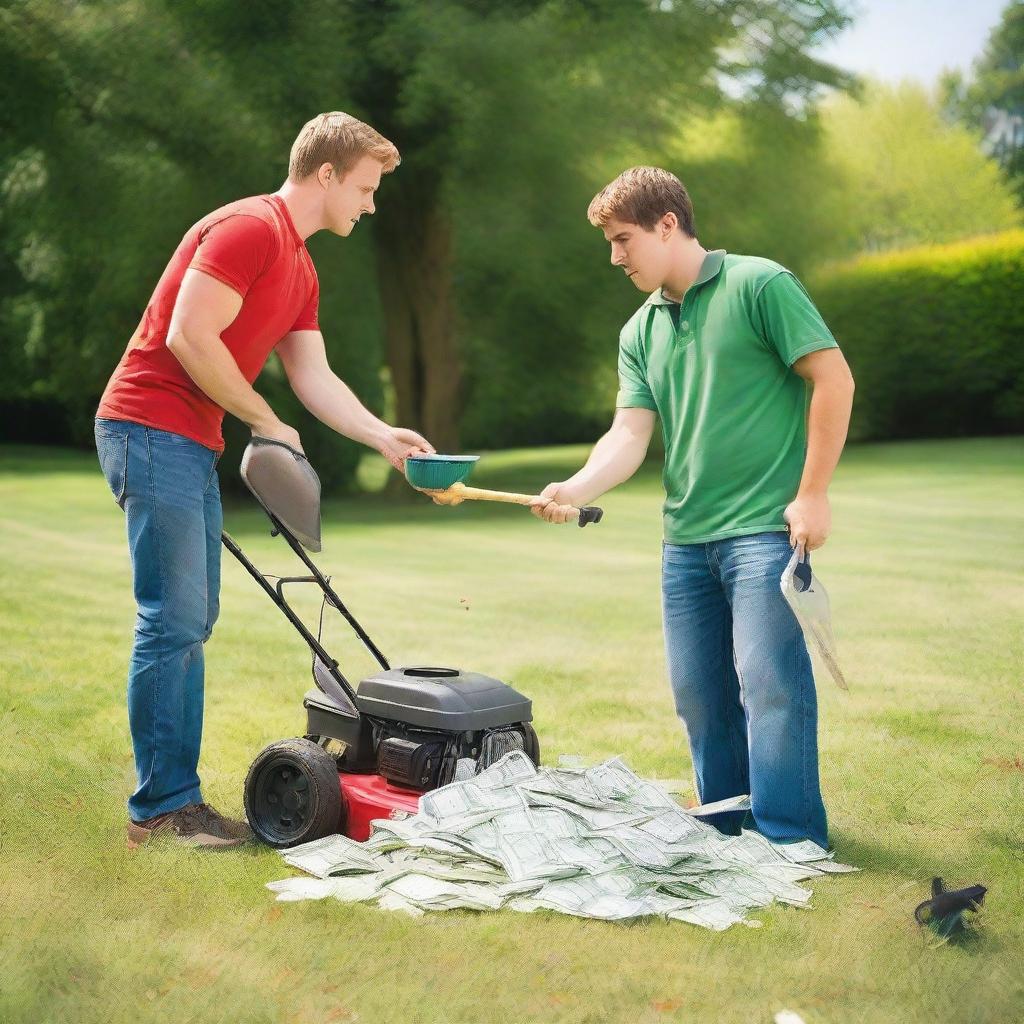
pixel 596 842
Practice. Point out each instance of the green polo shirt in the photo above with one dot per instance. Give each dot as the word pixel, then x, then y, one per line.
pixel 717 370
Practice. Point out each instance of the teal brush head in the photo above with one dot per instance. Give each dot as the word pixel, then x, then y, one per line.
pixel 438 472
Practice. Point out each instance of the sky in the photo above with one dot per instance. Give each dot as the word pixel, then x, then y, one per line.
pixel 897 39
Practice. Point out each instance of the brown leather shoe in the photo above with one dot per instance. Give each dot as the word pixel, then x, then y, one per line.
pixel 197 825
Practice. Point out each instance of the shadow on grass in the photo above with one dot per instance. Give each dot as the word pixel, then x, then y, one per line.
pixel 895 859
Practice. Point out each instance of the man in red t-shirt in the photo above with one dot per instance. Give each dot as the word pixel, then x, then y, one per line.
pixel 240 285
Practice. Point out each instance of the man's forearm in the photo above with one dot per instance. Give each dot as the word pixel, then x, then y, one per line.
pixel 334 403
pixel 828 420
pixel 208 362
pixel 613 460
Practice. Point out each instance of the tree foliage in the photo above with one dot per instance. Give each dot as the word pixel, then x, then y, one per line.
pixel 933 337
pixel 909 177
pixel 123 121
pixel 992 99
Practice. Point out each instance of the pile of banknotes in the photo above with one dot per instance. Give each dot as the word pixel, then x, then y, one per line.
pixel 596 842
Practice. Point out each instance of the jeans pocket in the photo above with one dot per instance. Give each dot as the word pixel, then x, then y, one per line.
pixel 112 448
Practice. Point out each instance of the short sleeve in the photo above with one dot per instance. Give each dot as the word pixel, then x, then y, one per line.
pixel 236 251
pixel 634 391
pixel 788 321
pixel 309 318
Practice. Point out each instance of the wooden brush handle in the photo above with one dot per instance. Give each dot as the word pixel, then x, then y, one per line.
pixel 480 494
pixel 460 492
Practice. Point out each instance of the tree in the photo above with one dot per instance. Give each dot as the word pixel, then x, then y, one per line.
pixel 509 115
pixel 909 177
pixel 116 136
pixel 441 78
pixel 763 183
pixel 992 100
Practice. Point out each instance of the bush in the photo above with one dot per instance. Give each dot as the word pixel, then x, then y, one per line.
pixel 933 336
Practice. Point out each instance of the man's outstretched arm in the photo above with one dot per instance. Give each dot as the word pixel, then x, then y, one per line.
pixel 613 460
pixel 333 402
pixel 828 419
pixel 206 307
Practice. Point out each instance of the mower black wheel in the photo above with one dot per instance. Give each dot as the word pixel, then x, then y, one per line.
pixel 532 743
pixel 292 794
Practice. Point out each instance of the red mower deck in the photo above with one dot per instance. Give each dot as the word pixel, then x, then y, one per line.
pixel 367 797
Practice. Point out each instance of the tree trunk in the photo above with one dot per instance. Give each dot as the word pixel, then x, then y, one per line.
pixel 414 270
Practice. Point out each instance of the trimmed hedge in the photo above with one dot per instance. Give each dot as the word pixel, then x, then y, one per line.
pixel 934 336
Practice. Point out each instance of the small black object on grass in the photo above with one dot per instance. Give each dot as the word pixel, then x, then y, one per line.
pixel 944 912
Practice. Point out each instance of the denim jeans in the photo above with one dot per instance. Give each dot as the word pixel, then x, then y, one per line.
pixel 742 682
pixel 167 485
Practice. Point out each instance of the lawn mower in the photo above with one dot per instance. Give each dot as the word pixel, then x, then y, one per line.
pixel 372 750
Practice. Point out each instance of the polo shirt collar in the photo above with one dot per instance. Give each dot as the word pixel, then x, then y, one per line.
pixel 708 269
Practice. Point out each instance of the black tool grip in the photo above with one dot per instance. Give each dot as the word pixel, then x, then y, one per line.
pixel 590 514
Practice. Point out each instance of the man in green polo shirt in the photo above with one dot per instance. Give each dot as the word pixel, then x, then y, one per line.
pixel 725 351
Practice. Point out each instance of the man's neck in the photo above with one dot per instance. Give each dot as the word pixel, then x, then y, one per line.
pixel 685 271
pixel 303 208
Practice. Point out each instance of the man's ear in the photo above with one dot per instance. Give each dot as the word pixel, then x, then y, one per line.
pixel 324 175
pixel 667 225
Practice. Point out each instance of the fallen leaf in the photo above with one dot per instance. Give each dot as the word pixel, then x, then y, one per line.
pixel 342 1013
pixel 667 1005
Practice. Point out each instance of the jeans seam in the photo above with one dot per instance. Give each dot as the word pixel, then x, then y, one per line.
pixel 155 701
pixel 729 658
pixel 208 631
pixel 123 496
pixel 803 740
pixel 808 735
pixel 803 750
pixel 213 470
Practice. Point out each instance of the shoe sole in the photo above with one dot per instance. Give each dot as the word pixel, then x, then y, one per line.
pixel 139 836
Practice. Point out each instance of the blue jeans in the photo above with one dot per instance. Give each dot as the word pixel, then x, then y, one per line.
pixel 167 485
pixel 743 684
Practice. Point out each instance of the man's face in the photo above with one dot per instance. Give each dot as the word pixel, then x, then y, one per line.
pixel 644 256
pixel 348 198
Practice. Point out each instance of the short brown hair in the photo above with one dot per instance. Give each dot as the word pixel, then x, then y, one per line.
pixel 643 195
pixel 340 140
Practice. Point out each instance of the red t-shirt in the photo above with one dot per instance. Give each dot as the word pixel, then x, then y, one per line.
pixel 253 247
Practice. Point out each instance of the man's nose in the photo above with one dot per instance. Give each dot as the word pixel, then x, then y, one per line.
pixel 617 258
pixel 370 208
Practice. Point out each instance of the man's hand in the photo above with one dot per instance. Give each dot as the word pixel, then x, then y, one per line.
pixel 397 444
pixel 810 521
pixel 554 504
pixel 275 430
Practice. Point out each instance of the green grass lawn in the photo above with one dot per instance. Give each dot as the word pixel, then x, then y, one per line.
pixel 922 761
